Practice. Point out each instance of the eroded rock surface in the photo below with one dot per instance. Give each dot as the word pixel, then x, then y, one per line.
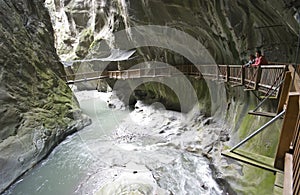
pixel 229 30
pixel 37 109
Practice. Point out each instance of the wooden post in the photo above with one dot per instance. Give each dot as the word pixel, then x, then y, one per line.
pixel 296 162
pixel 288 128
pixel 284 91
pixel 228 73
pixel 258 77
pixel 243 76
pixel 288 175
pixel 295 139
pixel 217 72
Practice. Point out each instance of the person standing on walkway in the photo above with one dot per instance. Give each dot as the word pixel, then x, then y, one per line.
pixel 251 60
pixel 259 60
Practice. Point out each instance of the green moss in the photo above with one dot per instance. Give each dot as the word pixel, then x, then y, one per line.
pixel 261 181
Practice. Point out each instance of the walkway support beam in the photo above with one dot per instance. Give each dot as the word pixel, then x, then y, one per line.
pixel 257 131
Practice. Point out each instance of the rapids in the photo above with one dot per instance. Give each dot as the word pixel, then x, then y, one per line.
pixel 149 150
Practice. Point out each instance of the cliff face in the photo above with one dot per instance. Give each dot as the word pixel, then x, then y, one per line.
pixel 37 109
pixel 229 30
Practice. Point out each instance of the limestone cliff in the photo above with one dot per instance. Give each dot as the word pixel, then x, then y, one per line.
pixel 229 30
pixel 37 109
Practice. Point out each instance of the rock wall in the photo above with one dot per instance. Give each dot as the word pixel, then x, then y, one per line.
pixel 229 30
pixel 248 179
pixel 37 109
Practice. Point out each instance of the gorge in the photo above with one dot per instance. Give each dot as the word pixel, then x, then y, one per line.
pixel 38 110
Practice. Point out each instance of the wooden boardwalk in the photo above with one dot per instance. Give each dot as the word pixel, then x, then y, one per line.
pixel 265 78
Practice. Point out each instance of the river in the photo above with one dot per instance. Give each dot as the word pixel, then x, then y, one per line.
pixel 149 150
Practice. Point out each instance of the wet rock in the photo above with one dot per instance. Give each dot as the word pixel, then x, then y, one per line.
pixel 162 131
pixel 207 121
pixel 110 105
pixel 225 138
pixel 86 37
pixel 48 133
pixel 204 186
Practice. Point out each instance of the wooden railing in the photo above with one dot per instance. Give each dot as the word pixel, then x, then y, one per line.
pixel 296 160
pixel 85 76
pixel 264 78
pixel 288 153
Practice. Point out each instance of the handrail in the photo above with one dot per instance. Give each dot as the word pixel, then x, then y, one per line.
pixel 273 66
pixel 229 73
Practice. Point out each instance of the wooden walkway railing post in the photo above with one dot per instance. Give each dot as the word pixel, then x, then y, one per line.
pixel 227 73
pixel 289 126
pixel 284 91
pixel 258 77
pixel 288 175
pixel 243 76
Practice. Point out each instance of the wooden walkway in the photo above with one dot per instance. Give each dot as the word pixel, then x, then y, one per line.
pixel 265 78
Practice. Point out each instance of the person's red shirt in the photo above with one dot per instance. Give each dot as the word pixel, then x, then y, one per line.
pixel 261 60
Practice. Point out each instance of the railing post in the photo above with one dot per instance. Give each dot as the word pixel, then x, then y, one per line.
pixel 243 76
pixel 218 72
pixel 288 127
pixel 227 73
pixel 258 77
pixel 288 175
pixel 284 91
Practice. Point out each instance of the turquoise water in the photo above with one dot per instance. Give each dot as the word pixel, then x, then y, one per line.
pixel 69 163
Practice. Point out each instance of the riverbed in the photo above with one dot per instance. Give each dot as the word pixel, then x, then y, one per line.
pixel 148 150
